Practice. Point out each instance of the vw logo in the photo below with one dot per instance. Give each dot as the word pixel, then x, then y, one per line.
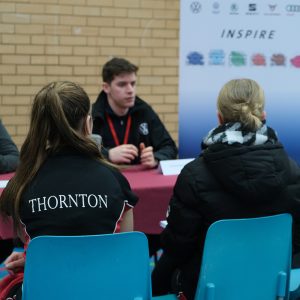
pixel 292 8
pixel 272 7
pixel 195 7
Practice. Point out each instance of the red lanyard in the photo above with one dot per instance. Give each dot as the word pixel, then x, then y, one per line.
pixel 113 131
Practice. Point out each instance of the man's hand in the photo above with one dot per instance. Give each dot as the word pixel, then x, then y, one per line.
pixel 147 157
pixel 123 154
pixel 15 262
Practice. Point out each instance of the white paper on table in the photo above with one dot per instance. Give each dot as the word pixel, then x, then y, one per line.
pixel 173 166
pixel 163 223
pixel 3 183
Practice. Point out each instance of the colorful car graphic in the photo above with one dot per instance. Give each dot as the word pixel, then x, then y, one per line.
pixel 258 59
pixel 216 57
pixel 295 61
pixel 195 58
pixel 237 58
pixel 278 59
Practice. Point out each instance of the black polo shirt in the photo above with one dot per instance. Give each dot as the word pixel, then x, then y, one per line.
pixel 73 194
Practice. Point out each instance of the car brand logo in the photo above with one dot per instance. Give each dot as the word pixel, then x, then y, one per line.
pixel 196 7
pixel 216 5
pixel 234 7
pixel 272 7
pixel 252 7
pixel 292 8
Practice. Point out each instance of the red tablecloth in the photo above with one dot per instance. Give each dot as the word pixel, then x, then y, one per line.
pixel 154 191
pixel 6 227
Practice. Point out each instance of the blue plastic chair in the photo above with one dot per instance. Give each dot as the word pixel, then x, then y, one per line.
pixel 110 266
pixel 246 259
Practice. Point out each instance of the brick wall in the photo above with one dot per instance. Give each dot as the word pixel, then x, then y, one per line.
pixel 46 40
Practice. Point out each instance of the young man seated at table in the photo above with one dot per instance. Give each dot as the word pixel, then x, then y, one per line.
pixel 131 131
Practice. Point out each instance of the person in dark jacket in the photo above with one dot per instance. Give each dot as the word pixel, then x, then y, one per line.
pixel 243 171
pixel 9 160
pixel 131 131
pixel 9 153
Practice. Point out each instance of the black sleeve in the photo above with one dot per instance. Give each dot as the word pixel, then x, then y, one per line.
pixel 163 145
pixel 185 232
pixel 9 154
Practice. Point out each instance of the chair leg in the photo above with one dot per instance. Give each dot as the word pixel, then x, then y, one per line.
pixel 210 291
pixel 281 287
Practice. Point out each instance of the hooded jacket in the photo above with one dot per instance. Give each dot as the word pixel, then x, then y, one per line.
pixel 146 127
pixel 228 181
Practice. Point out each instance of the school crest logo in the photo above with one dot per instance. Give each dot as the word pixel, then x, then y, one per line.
pixel 143 129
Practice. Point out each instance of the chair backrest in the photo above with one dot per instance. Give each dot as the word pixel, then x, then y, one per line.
pixel 246 259
pixel 109 266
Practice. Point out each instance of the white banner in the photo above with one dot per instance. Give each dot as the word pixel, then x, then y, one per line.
pixel 223 40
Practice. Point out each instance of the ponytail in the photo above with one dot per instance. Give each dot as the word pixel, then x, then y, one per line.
pixel 242 100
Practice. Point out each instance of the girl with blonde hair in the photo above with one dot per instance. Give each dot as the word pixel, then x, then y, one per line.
pixel 243 171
